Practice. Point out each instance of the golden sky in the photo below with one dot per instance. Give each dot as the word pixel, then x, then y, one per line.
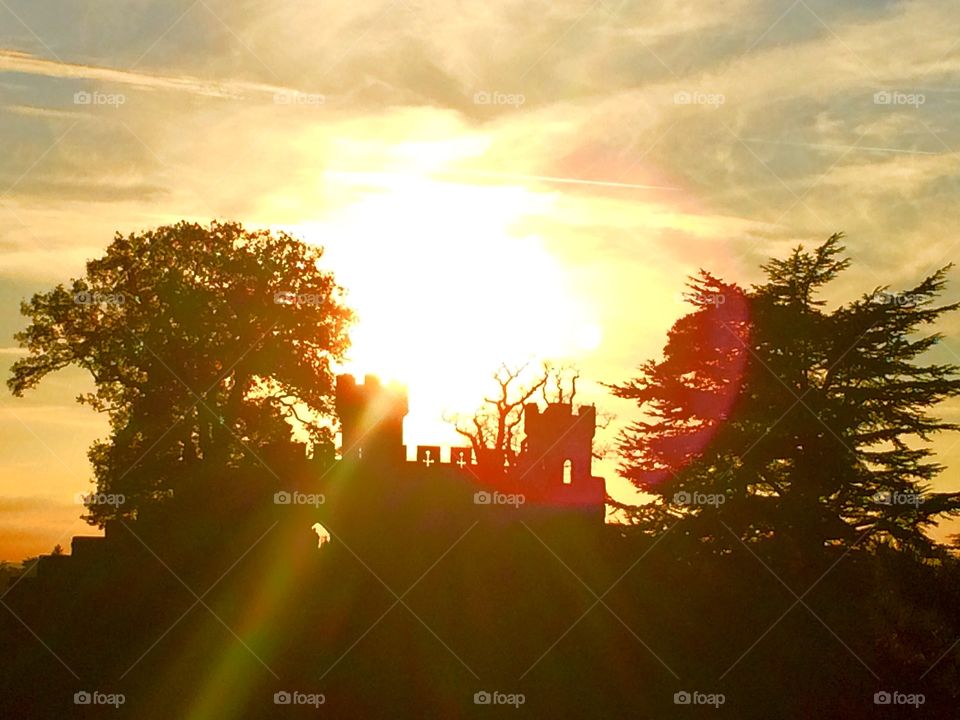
pixel 492 181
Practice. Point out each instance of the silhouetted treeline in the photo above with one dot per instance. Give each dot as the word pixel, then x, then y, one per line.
pixel 782 571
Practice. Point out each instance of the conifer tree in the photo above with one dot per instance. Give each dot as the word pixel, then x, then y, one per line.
pixel 772 417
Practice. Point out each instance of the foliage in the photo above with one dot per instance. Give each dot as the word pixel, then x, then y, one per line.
pixel 203 342
pixel 771 416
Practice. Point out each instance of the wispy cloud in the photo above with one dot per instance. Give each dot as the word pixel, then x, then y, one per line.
pixel 42 112
pixel 21 62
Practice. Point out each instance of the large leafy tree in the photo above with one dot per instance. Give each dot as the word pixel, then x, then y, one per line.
pixel 206 346
pixel 773 417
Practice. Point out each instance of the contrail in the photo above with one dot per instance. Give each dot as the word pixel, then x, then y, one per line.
pixel 560 180
pixel 841 147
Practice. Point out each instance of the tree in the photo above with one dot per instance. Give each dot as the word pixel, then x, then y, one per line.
pixel 771 417
pixel 204 344
pixel 494 430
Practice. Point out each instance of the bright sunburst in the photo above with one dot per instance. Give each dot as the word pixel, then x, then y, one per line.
pixel 446 287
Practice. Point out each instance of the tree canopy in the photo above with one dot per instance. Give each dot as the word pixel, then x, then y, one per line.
pixel 204 344
pixel 773 417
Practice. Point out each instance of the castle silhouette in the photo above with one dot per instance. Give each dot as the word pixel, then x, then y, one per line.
pixel 551 477
pixel 370 496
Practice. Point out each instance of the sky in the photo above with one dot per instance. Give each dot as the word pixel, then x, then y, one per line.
pixel 496 181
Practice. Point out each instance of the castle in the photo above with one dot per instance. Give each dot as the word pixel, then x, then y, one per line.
pixel 370 496
pixel 551 477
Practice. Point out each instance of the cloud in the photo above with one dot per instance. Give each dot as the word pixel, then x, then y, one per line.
pixel 22 62
pixel 31 111
pixel 33 504
pixel 32 416
pixel 89 188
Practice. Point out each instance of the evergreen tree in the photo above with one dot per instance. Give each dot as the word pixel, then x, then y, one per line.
pixel 772 417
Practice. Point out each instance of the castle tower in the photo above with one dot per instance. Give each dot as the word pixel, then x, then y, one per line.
pixel 371 419
pixel 560 443
pixel 558 459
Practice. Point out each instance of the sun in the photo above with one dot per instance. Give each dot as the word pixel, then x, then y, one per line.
pixel 446 288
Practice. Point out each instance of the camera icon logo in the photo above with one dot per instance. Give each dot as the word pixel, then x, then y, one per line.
pixel 482 697
pixel 82 97
pixel 282 698
pixel 82 698
pixel 882 698
pixel 482 497
pixel 884 97
pixel 682 498
pixel 282 498
pixel 682 697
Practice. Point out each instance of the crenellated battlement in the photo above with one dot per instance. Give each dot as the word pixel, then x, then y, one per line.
pixel 432 456
pixel 371 418
pixel 559 442
pixel 554 466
